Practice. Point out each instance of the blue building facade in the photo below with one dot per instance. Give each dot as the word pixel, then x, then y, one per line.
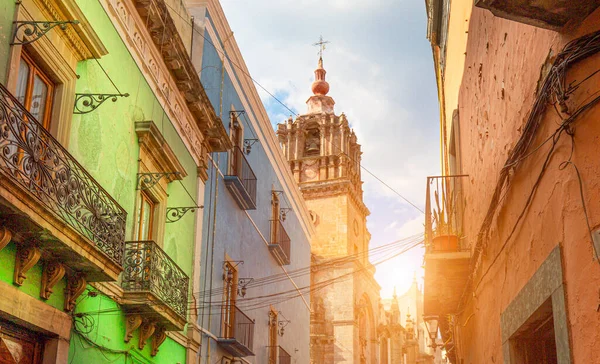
pixel 253 299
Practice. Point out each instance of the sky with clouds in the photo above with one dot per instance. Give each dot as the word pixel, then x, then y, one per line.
pixel 380 70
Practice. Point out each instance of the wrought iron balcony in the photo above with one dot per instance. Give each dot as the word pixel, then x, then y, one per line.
pixel 36 170
pixel 154 284
pixel 241 181
pixel 280 244
pixel 237 335
pixel 447 256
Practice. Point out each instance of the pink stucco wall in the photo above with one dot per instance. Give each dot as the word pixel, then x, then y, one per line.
pixel 502 69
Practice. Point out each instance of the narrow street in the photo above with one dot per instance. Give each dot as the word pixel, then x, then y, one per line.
pixel 299 182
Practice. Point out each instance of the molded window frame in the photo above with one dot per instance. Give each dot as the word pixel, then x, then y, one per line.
pixel 57 53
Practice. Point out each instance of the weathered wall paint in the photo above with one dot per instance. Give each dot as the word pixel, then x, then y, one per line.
pixel 7 15
pixel 106 327
pixel 105 141
pixel 502 70
pixel 236 236
pixel 31 285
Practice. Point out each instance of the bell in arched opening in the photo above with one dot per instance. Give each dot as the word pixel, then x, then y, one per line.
pixel 313 142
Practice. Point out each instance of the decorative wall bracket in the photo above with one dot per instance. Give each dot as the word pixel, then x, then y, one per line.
pixel 236 113
pixel 158 338
pixel 27 257
pixel 86 103
pixel 5 237
pixel 147 180
pixel 283 213
pixel 282 324
pixel 52 274
pixel 146 330
pixel 248 143
pixel 242 286
pixel 75 286
pixel 133 323
pixel 34 30
pixel 174 214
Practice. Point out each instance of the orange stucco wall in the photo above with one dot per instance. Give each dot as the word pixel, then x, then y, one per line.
pixel 502 69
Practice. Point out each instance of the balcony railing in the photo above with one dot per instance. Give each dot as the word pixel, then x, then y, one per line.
pixel 241 180
pixel 31 158
pixel 284 357
pixel 280 244
pixel 149 269
pixel 238 338
pixel 443 213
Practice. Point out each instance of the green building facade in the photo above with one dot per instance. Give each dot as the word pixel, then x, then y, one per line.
pixel 105 134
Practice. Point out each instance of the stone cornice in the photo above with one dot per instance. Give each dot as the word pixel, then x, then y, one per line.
pixel 80 37
pixel 258 117
pixel 159 76
pixel 150 138
pixel 320 189
pixel 166 38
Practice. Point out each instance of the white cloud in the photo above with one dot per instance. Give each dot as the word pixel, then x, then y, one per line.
pixel 379 67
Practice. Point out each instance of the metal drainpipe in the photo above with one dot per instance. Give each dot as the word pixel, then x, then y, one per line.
pixel 210 203
pixel 212 256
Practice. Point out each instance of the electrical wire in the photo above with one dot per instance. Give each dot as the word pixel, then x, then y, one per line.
pixel 224 53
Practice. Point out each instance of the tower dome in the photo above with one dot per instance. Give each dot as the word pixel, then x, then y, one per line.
pixel 320 87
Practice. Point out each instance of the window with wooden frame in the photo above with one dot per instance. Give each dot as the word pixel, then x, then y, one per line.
pixel 45 79
pixel 236 133
pixel 230 282
pixel 35 90
pixel 145 217
pixel 273 345
pixel 275 211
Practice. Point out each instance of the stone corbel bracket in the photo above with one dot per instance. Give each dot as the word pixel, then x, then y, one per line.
pixel 146 330
pixel 75 286
pixel 133 323
pixel 160 334
pixel 5 237
pixel 27 257
pixel 52 274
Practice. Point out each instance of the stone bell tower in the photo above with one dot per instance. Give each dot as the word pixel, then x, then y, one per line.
pixel 325 158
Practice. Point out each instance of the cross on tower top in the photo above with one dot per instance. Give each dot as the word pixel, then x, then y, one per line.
pixel 321 44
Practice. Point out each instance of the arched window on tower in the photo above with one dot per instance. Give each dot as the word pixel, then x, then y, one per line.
pixel 313 142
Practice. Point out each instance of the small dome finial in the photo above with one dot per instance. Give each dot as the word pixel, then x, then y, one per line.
pixel 320 86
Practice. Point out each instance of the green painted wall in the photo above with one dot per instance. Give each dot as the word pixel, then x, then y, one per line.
pixel 7 14
pixel 103 323
pixel 105 143
pixel 31 285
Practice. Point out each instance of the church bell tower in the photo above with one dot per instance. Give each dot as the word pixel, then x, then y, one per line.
pixel 325 156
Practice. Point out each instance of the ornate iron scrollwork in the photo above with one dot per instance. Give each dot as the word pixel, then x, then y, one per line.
pixel 34 30
pixel 243 285
pixel 147 180
pixel 31 158
pixel 86 103
pixel 248 143
pixel 148 268
pixel 174 214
